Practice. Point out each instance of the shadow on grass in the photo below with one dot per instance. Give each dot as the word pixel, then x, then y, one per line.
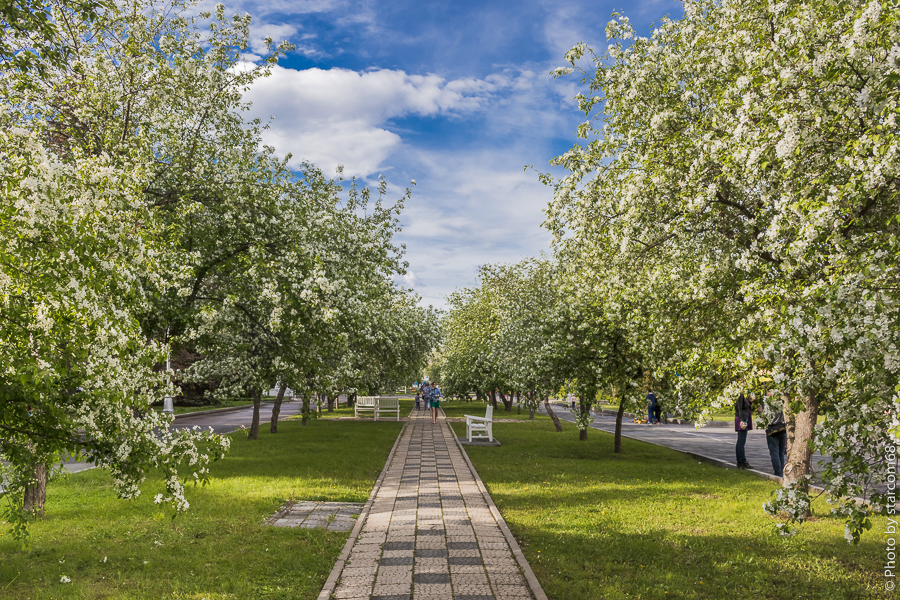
pixel 653 523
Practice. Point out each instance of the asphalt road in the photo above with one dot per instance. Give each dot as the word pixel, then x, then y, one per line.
pixel 711 441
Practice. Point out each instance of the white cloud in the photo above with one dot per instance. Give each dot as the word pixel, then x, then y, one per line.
pixel 278 33
pixel 470 209
pixel 411 279
pixel 338 116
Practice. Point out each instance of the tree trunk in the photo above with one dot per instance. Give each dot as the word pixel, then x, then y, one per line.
pixel 617 444
pixel 351 400
pixel 494 399
pixel 583 408
pixel 799 462
pixel 304 410
pixel 276 409
pixel 552 414
pixel 519 402
pixel 36 492
pixel 331 401
pixel 531 405
pixel 254 425
pixel 479 396
pixel 507 402
pixel 790 424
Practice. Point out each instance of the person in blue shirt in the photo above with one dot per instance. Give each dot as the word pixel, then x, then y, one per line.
pixel 651 406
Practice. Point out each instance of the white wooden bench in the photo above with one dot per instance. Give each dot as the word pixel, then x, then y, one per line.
pixel 481 426
pixel 376 405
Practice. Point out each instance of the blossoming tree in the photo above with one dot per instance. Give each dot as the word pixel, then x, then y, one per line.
pixel 740 185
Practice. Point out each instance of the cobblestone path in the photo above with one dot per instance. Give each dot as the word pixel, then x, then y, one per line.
pixel 431 532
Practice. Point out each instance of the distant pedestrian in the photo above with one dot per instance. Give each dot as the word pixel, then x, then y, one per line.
pixel 776 433
pixel 657 411
pixel 418 399
pixel 435 401
pixel 651 405
pixel 573 401
pixel 743 422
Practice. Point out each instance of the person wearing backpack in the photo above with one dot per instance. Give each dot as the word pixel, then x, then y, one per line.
pixel 776 434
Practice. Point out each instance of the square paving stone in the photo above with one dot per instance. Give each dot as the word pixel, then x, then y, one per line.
pixel 462 545
pixel 396 561
pixel 390 589
pixel 511 590
pixel 430 532
pixel 431 578
pixel 465 560
pixel 399 546
pixel 431 553
pixel 433 590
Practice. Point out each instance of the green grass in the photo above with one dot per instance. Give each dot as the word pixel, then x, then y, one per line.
pixel 220 549
pixel 653 523
pixel 460 408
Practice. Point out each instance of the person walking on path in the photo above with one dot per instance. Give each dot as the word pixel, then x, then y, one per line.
pixel 657 412
pixel 651 405
pixel 776 433
pixel 743 422
pixel 434 399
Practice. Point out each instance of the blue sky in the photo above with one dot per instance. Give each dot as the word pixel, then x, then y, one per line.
pixel 454 95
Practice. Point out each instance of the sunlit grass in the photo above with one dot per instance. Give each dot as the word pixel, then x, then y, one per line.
pixel 654 523
pixel 220 549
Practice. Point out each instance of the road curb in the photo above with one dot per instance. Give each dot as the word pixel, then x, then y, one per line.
pixel 331 582
pixel 530 577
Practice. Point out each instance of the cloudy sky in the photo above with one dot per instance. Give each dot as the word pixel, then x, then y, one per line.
pixel 455 95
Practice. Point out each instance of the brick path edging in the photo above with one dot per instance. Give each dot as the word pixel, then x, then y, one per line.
pixel 331 582
pixel 533 583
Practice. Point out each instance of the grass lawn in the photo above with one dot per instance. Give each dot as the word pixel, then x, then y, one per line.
pixel 653 523
pixel 218 550
pixel 460 408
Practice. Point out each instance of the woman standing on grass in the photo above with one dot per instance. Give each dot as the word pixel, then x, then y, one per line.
pixel 743 422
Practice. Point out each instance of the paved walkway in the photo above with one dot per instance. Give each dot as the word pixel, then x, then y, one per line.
pixel 431 530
